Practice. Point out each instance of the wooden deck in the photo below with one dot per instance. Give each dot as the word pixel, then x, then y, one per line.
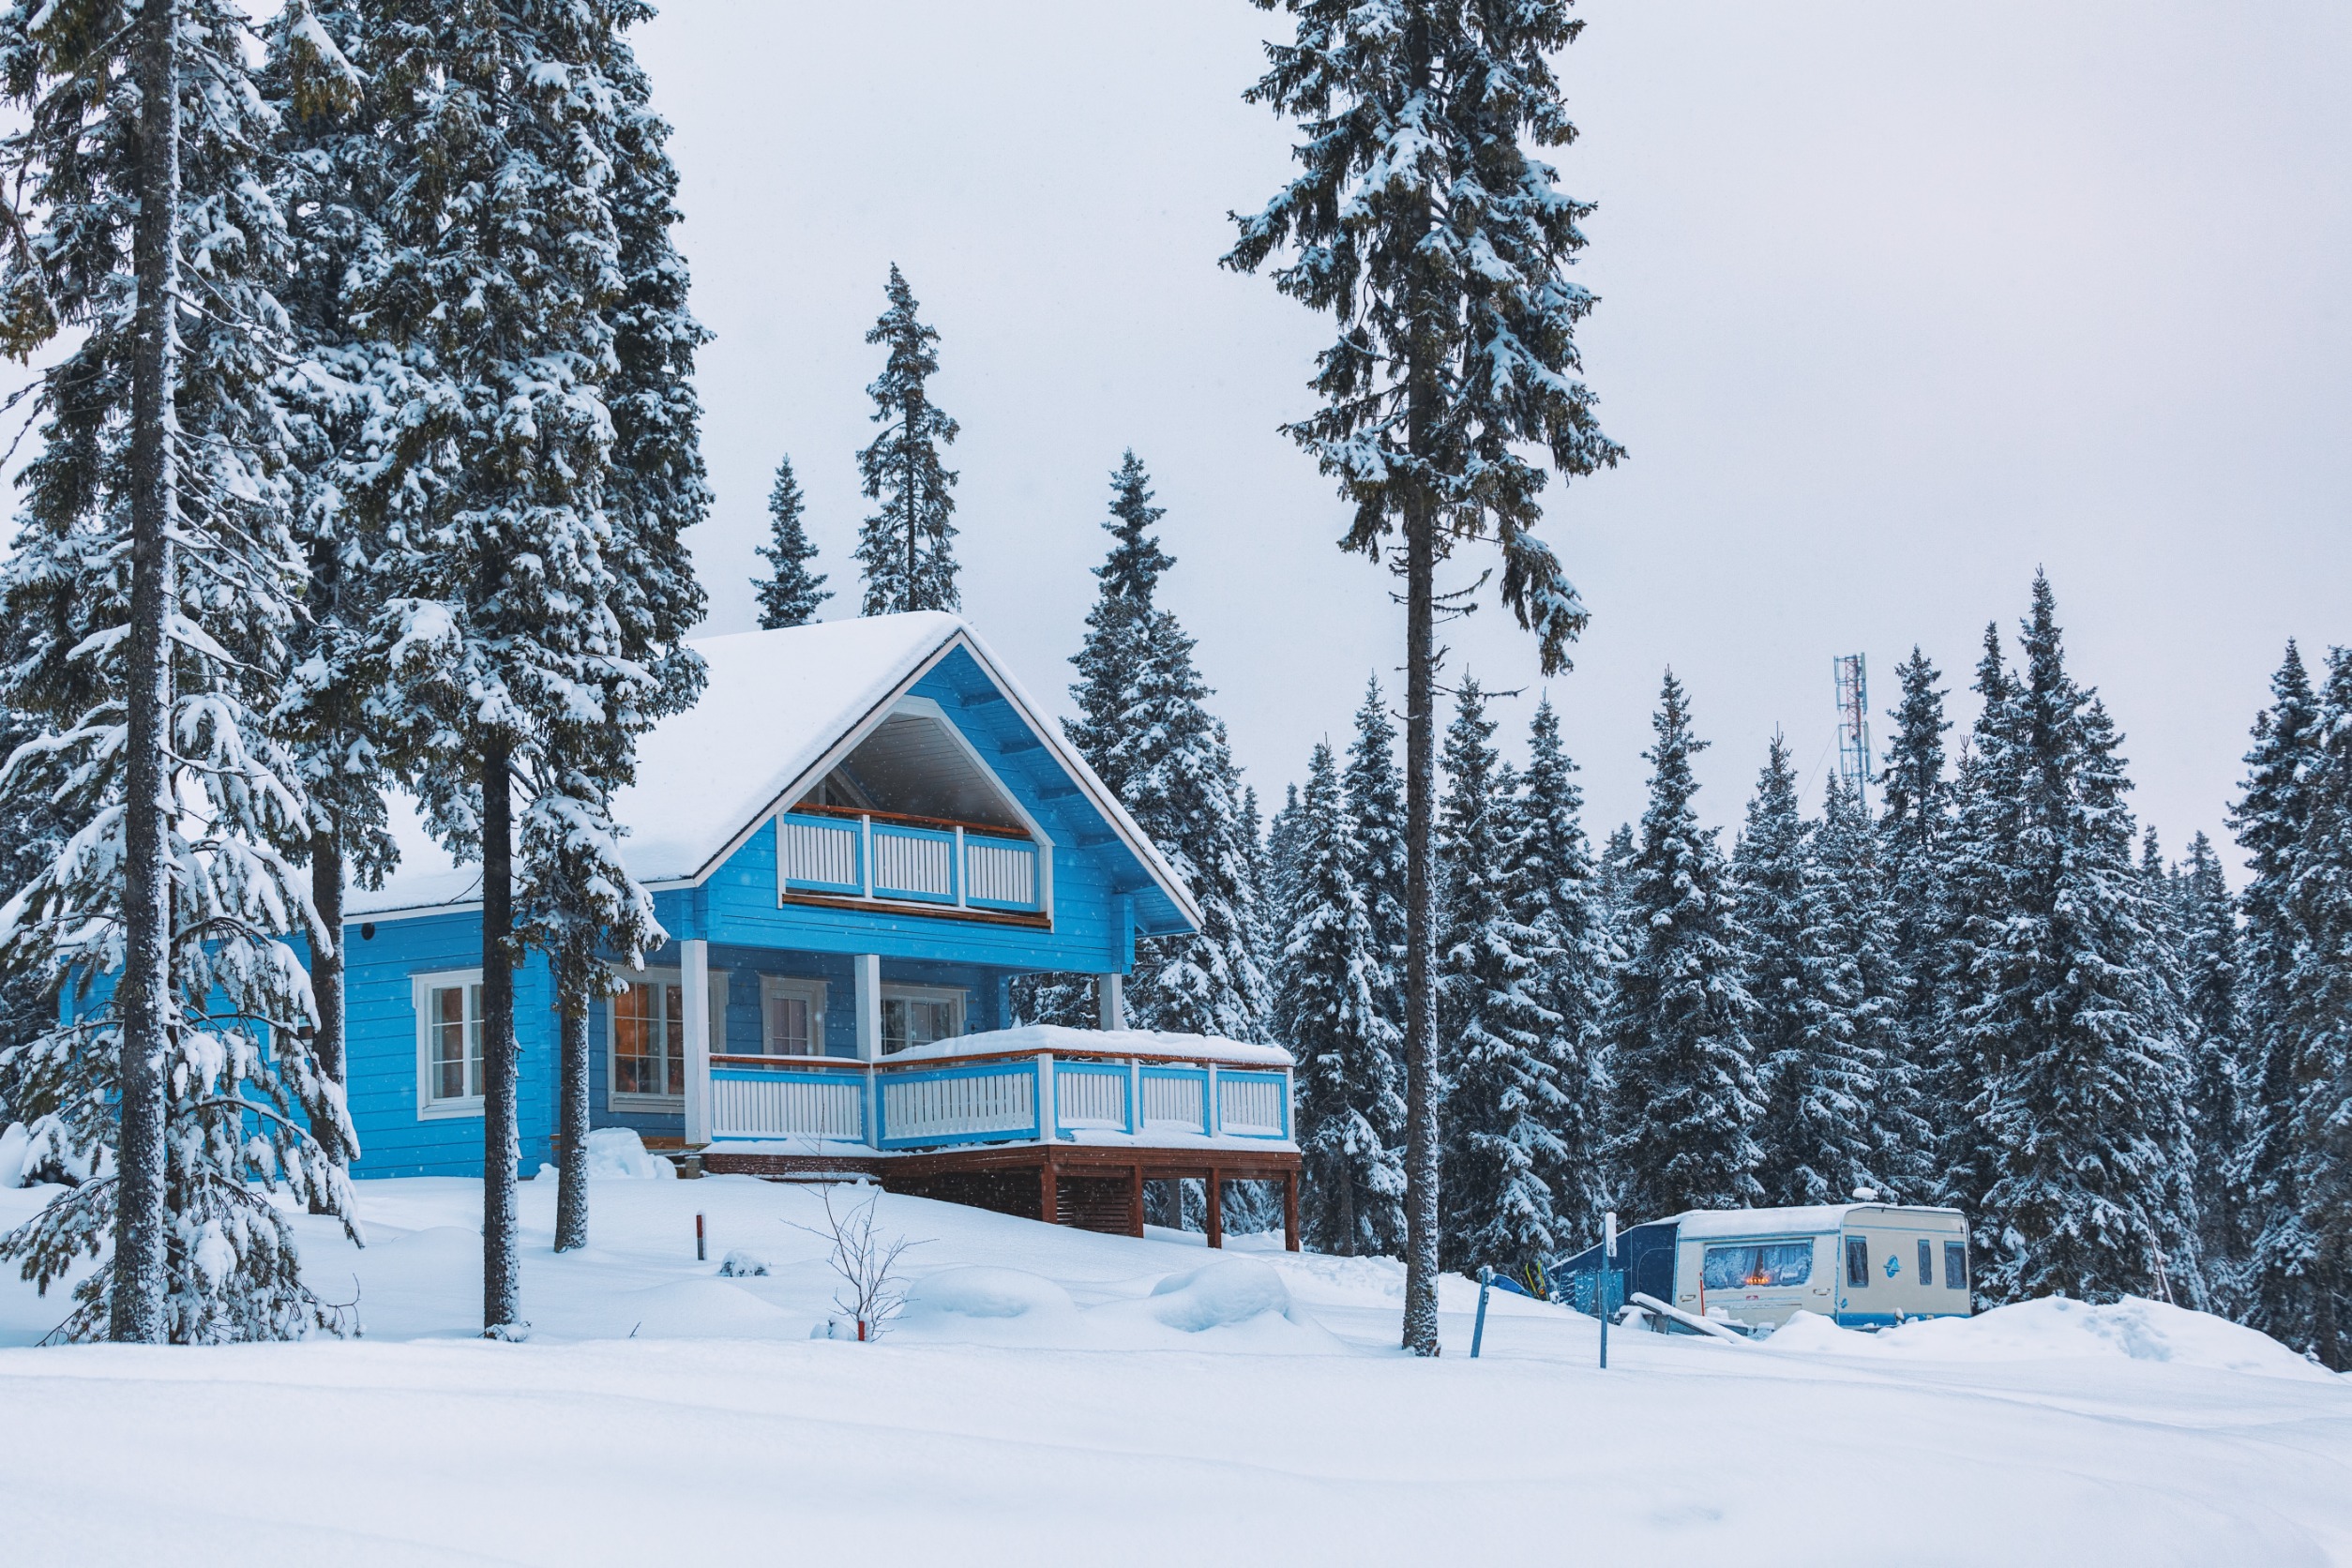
pixel 1089 1188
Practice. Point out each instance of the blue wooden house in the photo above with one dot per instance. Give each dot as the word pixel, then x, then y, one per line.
pixel 857 841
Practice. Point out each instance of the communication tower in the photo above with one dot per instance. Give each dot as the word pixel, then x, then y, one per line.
pixel 1853 726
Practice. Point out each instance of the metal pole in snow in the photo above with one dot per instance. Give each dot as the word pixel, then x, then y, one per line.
pixel 1478 1330
pixel 1601 1286
pixel 700 1255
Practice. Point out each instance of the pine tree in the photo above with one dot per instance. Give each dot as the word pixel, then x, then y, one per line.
pixel 1376 815
pixel 1503 1103
pixel 790 595
pixel 546 469
pixel 1423 224
pixel 1767 867
pixel 1914 829
pixel 1282 860
pixel 1687 1099
pixel 2271 820
pixel 1351 1114
pixel 2211 980
pixel 2089 1140
pixel 903 549
pixel 1118 627
pixel 1553 894
pixel 149 601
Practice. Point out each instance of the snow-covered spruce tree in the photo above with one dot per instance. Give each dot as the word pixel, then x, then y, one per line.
pixel 1502 1104
pixel 1280 889
pixel 1767 867
pixel 1842 1111
pixel 791 592
pixel 2316 1028
pixel 1422 223
pixel 2271 820
pixel 1375 816
pixel 1915 801
pixel 903 549
pixel 541 468
pixel 2090 1145
pixel 1552 893
pixel 1686 1096
pixel 32 832
pixel 1184 790
pixel 148 603
pixel 1967 1066
pixel 1351 1105
pixel 2210 979
pixel 328 182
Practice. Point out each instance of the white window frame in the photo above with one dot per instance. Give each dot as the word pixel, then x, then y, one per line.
pixel 613 1098
pixel 777 987
pixel 431 1107
pixel 894 991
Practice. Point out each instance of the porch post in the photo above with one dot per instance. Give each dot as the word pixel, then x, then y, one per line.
pixel 1111 1001
pixel 1291 1210
pixel 1048 1201
pixel 867 974
pixel 1216 1208
pixel 695 983
pixel 1135 1201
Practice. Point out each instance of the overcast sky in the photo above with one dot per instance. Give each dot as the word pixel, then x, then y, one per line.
pixel 1897 303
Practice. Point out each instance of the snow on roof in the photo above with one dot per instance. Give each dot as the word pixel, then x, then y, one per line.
pixel 775 703
pixel 1810 1220
pixel 1100 1042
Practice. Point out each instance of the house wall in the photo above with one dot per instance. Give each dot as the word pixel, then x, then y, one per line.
pixel 383 1051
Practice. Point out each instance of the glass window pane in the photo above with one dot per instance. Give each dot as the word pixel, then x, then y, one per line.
pixel 637 1035
pixel 473 1041
pixel 674 1020
pixel 787 1029
pixel 1927 1262
pixel 1955 1266
pixel 1858 1262
pixel 1748 1267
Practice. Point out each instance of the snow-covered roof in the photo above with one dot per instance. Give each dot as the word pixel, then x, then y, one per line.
pixel 774 705
pixel 1100 1042
pixel 1809 1220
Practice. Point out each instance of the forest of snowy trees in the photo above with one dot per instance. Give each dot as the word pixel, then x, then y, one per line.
pixel 388 494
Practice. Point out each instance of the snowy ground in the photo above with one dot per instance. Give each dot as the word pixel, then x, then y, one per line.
pixel 1056 1410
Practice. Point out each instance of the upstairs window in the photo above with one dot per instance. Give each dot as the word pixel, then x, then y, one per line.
pixel 649 1043
pixel 450 1044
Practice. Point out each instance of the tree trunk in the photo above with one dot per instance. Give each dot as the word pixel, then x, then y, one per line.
pixel 1420 1002
pixel 571 1190
pixel 914 510
pixel 135 1309
pixel 501 1143
pixel 326 985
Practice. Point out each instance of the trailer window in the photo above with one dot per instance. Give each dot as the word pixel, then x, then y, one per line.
pixel 1858 1261
pixel 1927 1262
pixel 1737 1268
pixel 1955 1265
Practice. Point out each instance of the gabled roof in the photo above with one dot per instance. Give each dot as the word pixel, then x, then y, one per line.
pixel 776 706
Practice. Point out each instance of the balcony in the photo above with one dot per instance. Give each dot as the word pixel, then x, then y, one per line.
pixel 829 855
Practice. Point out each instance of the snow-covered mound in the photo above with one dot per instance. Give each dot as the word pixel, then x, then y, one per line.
pixel 2057 1329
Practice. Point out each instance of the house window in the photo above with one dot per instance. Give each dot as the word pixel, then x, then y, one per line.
pixel 1955 1265
pixel 794 1023
pixel 1858 1261
pixel 918 1015
pixel 450 1044
pixel 649 1042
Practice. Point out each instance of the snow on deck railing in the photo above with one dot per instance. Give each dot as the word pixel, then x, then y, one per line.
pixel 1015 1085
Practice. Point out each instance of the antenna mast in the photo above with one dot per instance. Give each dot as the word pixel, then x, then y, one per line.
pixel 1853 726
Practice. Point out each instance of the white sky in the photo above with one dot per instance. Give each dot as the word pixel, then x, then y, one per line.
pixel 1897 303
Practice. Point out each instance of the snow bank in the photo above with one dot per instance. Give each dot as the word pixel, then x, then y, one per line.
pixel 702 1309
pixel 985 1292
pixel 2060 1328
pixel 616 1154
pixel 1219 1295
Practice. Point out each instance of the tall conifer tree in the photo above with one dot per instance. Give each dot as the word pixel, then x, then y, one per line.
pixel 791 592
pixel 1687 1096
pixel 1503 1103
pixel 1768 868
pixel 2212 978
pixel 1376 812
pixel 1351 1110
pixel 903 547
pixel 1915 797
pixel 1423 223
pixel 150 601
